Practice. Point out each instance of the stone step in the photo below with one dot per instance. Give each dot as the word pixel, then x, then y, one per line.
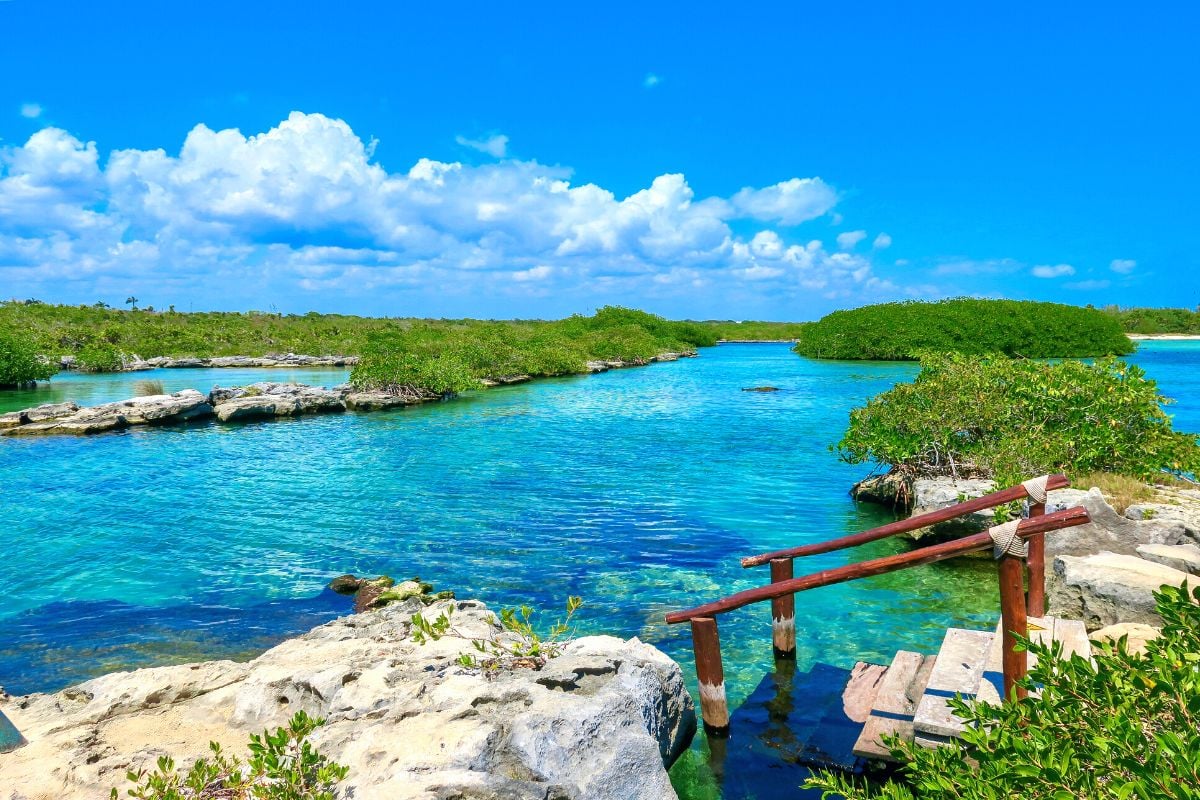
pixel 1043 630
pixel 896 700
pixel 957 671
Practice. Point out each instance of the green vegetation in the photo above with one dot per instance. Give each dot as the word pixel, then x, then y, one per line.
pixel 20 362
pixel 282 766
pixel 518 644
pixel 1156 320
pixel 899 331
pixel 1123 728
pixel 750 331
pixel 450 357
pixel 1014 418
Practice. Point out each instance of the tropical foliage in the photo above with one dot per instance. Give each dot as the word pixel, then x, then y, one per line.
pixel 447 357
pixel 1122 728
pixel 899 331
pixel 282 766
pixel 20 362
pixel 1012 418
pixel 1157 320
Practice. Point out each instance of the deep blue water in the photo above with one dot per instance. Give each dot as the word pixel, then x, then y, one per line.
pixel 637 489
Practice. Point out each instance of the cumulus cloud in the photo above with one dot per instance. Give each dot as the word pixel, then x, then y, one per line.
pixel 882 242
pixel 850 239
pixel 304 205
pixel 1052 270
pixel 1124 266
pixel 651 80
pixel 495 145
pixel 31 110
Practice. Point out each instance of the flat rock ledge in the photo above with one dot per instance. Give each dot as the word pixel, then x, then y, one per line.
pixel 257 401
pixel 602 721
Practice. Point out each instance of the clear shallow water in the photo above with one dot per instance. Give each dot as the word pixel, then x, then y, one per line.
pixel 636 489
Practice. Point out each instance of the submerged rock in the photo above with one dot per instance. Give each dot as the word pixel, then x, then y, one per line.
pixel 761 389
pixel 601 721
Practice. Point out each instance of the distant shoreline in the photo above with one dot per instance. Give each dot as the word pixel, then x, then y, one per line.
pixel 1164 337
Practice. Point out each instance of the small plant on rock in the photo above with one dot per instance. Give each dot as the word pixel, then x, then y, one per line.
pixel 282 766
pixel 517 644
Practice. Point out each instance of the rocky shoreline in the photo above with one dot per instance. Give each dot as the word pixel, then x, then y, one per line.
pixel 1104 573
pixel 603 720
pixel 258 401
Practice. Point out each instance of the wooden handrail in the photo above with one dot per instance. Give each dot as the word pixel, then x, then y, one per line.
pixel 1066 518
pixel 905 525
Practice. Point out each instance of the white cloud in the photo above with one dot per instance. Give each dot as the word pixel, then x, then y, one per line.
pixel 31 110
pixel 1052 271
pixel 303 205
pixel 495 145
pixel 882 242
pixel 651 80
pixel 1123 266
pixel 788 203
pixel 850 239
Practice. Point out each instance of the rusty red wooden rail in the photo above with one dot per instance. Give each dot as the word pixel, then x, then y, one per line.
pixel 907 525
pixel 1014 605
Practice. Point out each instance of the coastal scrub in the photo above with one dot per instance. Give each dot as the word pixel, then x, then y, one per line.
pixel 901 331
pixel 1009 419
pixel 19 361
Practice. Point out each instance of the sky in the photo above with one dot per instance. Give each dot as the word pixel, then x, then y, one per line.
pixel 700 160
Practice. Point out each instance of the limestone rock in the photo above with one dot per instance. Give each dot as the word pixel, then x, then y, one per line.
pixel 600 722
pixel 380 400
pixel 1183 557
pixel 1106 588
pixel 268 399
pixel 890 489
pixel 1137 635
pixel 933 494
pixel 182 406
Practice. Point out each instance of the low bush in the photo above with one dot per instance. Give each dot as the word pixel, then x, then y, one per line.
pixel 450 357
pixel 1156 320
pixel 282 766
pixel 20 362
pixel 900 331
pixel 1013 418
pixel 1122 728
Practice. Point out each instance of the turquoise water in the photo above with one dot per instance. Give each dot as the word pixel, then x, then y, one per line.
pixel 637 489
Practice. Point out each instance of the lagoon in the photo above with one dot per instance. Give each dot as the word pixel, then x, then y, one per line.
pixel 636 489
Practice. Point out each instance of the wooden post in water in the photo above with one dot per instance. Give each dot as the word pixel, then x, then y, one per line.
pixel 1036 560
pixel 783 612
pixel 714 708
pixel 1013 622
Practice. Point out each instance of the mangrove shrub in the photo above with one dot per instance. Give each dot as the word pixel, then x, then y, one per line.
pixel 20 362
pixel 899 331
pixel 450 357
pixel 1122 728
pixel 1014 418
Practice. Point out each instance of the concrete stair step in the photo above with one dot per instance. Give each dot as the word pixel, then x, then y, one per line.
pixel 896 701
pixel 957 671
pixel 1043 630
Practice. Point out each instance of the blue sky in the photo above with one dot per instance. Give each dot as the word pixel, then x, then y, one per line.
pixel 699 160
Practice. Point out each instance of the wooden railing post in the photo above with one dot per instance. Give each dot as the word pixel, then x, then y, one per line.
pixel 1036 561
pixel 783 612
pixel 714 708
pixel 1013 623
